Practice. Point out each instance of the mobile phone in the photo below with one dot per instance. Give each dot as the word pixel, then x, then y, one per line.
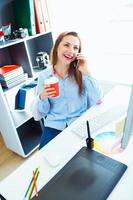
pixel 75 63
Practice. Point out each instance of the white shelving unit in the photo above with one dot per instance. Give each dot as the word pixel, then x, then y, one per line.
pixel 20 132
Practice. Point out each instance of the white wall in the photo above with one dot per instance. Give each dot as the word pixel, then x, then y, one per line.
pixel 106 29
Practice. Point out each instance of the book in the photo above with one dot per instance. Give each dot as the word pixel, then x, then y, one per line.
pixel 7 70
pixel 15 82
pixel 12 80
pixel 24 15
pixel 39 17
pixel 12 74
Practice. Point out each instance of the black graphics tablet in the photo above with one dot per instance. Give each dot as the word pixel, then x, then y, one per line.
pixel 89 175
pixel 2 198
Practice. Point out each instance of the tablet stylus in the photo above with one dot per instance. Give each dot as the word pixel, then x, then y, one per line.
pixel 89 140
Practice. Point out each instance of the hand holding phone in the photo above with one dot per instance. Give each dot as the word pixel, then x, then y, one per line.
pixel 81 64
pixel 75 63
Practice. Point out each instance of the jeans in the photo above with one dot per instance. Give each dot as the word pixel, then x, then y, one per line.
pixel 47 135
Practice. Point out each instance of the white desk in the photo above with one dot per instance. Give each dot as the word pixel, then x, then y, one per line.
pixel 66 145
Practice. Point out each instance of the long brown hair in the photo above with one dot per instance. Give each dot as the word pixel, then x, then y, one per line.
pixel 72 72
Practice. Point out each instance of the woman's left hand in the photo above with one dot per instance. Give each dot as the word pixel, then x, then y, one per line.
pixel 83 65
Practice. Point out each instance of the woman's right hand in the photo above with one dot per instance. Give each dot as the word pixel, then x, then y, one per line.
pixel 47 92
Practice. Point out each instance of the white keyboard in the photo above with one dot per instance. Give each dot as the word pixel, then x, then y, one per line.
pixel 107 87
pixel 99 121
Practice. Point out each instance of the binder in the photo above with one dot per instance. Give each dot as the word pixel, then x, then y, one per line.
pixel 46 15
pixel 39 17
pixel 24 15
pixel 89 175
pixel 14 81
pixel 7 70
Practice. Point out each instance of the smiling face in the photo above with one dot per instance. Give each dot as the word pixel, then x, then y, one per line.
pixel 68 49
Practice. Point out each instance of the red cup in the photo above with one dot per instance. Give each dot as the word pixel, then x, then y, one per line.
pixel 54 83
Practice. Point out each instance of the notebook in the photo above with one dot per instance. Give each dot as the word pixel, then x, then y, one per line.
pixel 89 175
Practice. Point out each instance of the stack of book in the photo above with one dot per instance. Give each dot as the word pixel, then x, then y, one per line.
pixel 12 75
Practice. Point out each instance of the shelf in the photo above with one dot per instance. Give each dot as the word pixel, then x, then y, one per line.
pixel 10 43
pixel 24 131
pixel 21 133
pixel 43 43
pixel 20 117
pixel 29 134
pixel 16 41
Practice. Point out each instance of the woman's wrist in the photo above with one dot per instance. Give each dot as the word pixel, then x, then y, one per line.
pixel 40 97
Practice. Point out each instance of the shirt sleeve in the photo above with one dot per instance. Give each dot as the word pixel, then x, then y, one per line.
pixel 34 110
pixel 43 105
pixel 93 89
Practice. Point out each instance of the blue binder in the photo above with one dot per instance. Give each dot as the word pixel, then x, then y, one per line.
pixel 21 96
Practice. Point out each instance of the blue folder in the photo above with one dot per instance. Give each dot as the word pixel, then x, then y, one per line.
pixel 20 100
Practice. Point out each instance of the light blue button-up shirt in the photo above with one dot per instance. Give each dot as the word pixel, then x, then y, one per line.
pixel 63 110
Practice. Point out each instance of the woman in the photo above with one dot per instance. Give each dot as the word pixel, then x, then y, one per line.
pixel 78 89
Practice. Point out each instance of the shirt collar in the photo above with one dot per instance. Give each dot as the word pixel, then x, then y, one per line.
pixel 53 73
